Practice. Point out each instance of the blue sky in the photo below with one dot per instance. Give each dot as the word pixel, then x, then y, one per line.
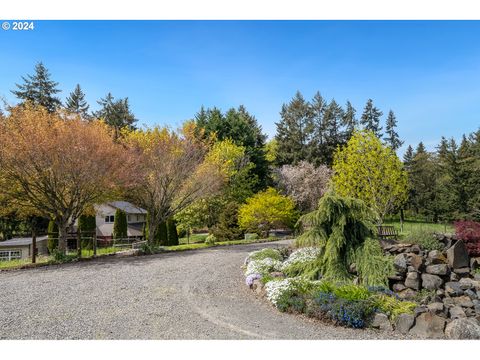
pixel 428 72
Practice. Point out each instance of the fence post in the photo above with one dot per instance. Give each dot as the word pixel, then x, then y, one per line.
pixel 95 244
pixel 79 243
pixel 34 246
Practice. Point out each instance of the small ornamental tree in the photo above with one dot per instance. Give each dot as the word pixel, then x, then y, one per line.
pixel 469 233
pixel 370 171
pixel 265 211
pixel 172 233
pixel 120 225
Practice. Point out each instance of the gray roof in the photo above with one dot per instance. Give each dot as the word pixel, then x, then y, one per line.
pixel 21 241
pixel 127 207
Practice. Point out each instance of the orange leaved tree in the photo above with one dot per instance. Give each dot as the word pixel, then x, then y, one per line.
pixel 56 165
pixel 172 172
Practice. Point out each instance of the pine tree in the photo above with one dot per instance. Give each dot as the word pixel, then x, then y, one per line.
pixel 317 142
pixel 116 113
pixel 349 121
pixel 294 131
pixel 39 89
pixel 392 139
pixel 77 104
pixel 408 157
pixel 333 131
pixel 371 118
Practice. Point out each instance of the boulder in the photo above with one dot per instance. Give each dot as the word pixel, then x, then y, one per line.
pixel 477 276
pixel 453 288
pixel 428 325
pixel 437 269
pixel 404 323
pixel 436 257
pixel 400 263
pixel 471 294
pixel 457 312
pixel 474 263
pixel 463 329
pixel 397 287
pixel 416 261
pixel 454 277
pixel 463 301
pixel 413 280
pixel 457 255
pixel 397 276
pixel 415 249
pixel 436 307
pixel 407 294
pixel 420 310
pixel 381 321
pixel 431 282
pixel 462 271
pixel 467 283
pixel 440 293
pixel 277 274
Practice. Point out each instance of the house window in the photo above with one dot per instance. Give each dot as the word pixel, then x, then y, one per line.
pixel 129 218
pixel 109 219
pixel 7 255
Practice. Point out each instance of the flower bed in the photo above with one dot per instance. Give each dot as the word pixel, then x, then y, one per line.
pixel 345 304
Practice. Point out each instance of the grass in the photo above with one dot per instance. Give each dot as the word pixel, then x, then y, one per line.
pixel 413 226
pixel 194 239
pixel 22 262
pixel 220 243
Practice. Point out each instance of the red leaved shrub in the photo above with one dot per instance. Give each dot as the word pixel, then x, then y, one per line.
pixel 469 233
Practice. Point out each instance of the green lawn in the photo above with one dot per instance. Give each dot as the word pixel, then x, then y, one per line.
pixel 194 239
pixel 16 263
pixel 413 226
pixel 220 243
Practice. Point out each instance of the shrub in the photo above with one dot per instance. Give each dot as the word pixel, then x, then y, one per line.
pixel 303 262
pixel 392 306
pixel 425 238
pixel 373 267
pixel 120 225
pixel 469 233
pixel 251 236
pixel 172 234
pixel 352 292
pixel 210 239
pixel 267 210
pixel 263 254
pixel 352 313
pixel 86 223
pixel 227 229
pixel 262 267
pixel 338 229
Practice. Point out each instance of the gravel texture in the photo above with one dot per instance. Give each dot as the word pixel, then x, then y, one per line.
pixel 186 295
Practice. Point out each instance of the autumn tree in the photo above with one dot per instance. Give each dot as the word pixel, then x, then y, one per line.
pixel 57 168
pixel 304 183
pixel 39 89
pixel 267 210
pixel 367 170
pixel 171 172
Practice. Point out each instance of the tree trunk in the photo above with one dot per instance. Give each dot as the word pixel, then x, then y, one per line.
pixel 62 237
pixel 152 228
pixel 79 244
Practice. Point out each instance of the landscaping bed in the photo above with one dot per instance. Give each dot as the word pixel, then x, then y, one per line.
pixel 430 294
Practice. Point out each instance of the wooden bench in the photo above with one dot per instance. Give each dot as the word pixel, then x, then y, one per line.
pixel 386 232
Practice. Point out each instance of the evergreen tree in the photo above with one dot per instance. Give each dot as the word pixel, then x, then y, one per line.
pixel 172 233
pixel 318 141
pixel 333 132
pixel 243 129
pixel 408 157
pixel 120 225
pixel 116 113
pixel 349 121
pixel 371 118
pixel 77 104
pixel 39 89
pixel 294 131
pixel 392 139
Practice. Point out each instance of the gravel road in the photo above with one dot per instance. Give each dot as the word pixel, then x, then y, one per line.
pixel 187 295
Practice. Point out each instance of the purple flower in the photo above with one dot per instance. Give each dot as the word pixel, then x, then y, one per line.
pixel 250 278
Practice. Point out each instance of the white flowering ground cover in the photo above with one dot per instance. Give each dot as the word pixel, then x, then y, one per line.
pixel 263 267
pixel 303 255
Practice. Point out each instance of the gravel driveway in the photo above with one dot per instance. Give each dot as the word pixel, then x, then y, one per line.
pixel 187 295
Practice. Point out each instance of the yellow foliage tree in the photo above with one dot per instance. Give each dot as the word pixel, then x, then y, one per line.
pixel 366 169
pixel 56 165
pixel 265 211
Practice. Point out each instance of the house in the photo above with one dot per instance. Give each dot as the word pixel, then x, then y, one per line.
pixel 105 217
pixel 21 248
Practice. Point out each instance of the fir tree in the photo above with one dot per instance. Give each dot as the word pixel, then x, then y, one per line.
pixel 116 113
pixel 349 120
pixel 39 89
pixel 371 118
pixel 77 104
pixel 392 139
pixel 294 131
